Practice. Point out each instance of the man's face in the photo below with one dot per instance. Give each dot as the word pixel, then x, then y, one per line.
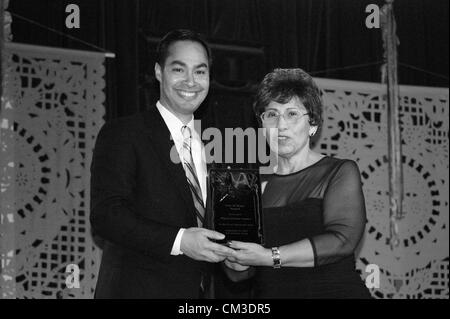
pixel 184 78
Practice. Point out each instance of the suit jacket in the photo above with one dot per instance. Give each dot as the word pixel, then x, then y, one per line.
pixel 139 201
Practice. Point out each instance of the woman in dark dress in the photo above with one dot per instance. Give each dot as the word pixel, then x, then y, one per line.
pixel 314 211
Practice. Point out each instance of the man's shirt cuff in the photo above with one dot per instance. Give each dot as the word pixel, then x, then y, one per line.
pixel 177 243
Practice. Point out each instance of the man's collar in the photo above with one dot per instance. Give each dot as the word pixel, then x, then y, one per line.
pixel 172 122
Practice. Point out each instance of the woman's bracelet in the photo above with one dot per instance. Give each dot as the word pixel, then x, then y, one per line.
pixel 276 258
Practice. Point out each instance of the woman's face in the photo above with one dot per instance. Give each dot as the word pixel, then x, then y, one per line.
pixel 288 138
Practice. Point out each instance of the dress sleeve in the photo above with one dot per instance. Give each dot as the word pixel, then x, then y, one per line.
pixel 344 216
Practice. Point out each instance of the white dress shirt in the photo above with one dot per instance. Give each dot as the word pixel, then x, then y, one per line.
pixel 175 125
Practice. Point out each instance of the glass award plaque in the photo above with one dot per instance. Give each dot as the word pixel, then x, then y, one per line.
pixel 234 204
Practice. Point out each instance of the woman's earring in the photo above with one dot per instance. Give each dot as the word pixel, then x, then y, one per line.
pixel 312 132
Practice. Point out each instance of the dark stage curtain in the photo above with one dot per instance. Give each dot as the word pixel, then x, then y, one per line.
pixel 252 37
pixel 315 34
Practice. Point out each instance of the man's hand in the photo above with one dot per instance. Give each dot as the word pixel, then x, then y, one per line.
pixel 195 244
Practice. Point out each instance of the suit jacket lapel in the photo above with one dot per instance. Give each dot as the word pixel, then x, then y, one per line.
pixel 159 136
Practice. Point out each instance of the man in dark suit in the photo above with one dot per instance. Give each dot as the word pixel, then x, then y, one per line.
pixel 148 186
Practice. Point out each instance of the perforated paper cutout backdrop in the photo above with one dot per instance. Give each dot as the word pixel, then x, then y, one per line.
pixel 52 110
pixel 355 127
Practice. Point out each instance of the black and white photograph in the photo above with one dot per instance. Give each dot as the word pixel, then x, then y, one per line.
pixel 224 155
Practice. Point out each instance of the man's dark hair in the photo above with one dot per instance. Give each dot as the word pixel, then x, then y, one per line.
pixel 281 85
pixel 162 50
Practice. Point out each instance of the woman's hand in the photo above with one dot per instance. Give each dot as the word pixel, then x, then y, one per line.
pixel 250 254
pixel 236 272
pixel 235 266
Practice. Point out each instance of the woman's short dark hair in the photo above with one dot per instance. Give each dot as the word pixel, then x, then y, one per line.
pixel 281 85
pixel 162 50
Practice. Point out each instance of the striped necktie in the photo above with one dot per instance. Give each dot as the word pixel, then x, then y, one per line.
pixel 189 168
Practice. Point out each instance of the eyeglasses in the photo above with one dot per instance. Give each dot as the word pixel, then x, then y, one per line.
pixel 290 116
